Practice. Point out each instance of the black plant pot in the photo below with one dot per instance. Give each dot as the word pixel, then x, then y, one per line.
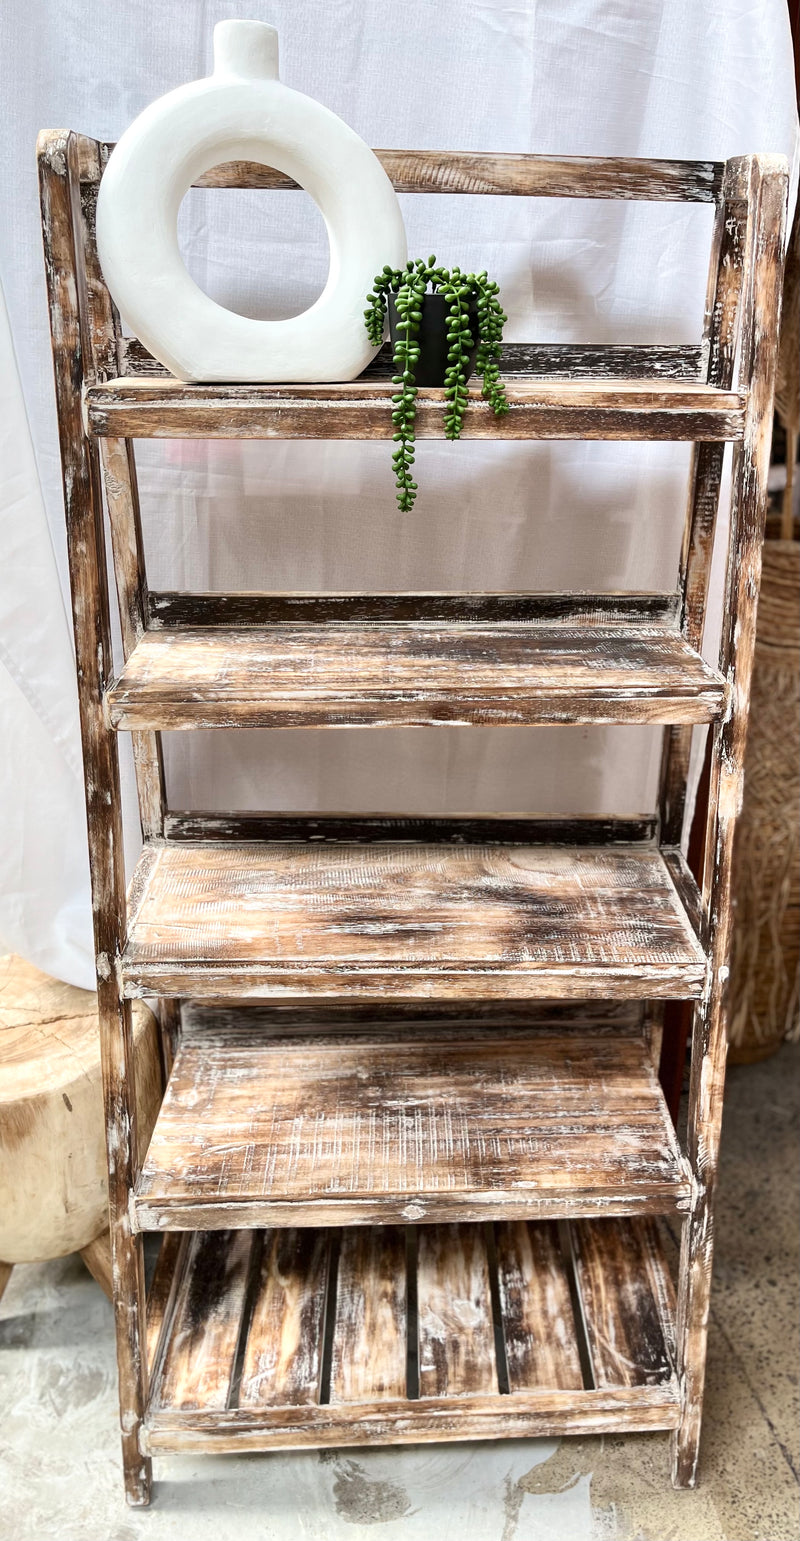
pixel 432 338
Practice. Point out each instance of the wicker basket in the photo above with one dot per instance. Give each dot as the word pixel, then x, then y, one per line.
pixel 766 933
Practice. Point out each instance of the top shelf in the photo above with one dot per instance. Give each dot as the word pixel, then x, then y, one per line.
pixel 150 407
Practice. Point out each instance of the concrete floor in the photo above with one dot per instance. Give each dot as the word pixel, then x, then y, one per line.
pixel 59 1461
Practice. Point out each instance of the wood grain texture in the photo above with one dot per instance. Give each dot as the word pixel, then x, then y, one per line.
pixel 454 1310
pixel 527 1415
pixel 498 172
pixel 408 920
pixel 103 338
pixel 766 178
pixel 53 1191
pixel 161 1294
pixel 251 608
pixel 122 503
pixel 257 1128
pixel 538 1326
pixel 368 1396
pixel 409 673
pixel 628 1302
pixel 283 1354
pixel 99 317
pixel 150 408
pixel 57 154
pixel 465 171
pixel 574 361
pixel 203 1020
pixel 368 1359
pixel 279 1327
pixel 459 829
pixel 97 1257
pixel 721 330
pixel 197 1367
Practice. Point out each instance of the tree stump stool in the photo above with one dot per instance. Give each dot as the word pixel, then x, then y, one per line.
pixel 53 1181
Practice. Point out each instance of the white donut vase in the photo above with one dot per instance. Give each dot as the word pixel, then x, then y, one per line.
pixel 243 112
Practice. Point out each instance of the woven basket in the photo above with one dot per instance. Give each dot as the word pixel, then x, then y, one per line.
pixel 766 932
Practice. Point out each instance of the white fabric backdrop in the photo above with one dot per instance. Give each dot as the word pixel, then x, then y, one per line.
pixel 606 77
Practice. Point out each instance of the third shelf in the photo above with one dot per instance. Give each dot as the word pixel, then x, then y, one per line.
pixel 401 1125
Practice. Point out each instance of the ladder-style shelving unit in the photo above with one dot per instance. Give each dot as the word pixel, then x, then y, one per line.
pixel 412 1149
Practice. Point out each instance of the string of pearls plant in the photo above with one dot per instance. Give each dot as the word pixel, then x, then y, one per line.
pixel 463 293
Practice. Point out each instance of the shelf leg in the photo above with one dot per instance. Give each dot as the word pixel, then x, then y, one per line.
pixel 763 187
pixel 59 171
pixel 697 1241
pixel 127 1251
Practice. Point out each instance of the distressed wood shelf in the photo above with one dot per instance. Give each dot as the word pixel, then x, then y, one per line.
pixel 444 1332
pixel 444 1124
pixel 460 1168
pixel 151 408
pixel 410 920
pixel 336 674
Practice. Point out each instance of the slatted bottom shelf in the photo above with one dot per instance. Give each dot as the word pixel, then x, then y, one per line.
pixel 395 1334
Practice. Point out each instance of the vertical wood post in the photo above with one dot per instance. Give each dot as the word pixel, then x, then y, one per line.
pixel 721 328
pixel 767 188
pixel 102 338
pixel 60 193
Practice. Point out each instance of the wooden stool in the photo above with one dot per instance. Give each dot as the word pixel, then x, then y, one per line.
pixel 53 1182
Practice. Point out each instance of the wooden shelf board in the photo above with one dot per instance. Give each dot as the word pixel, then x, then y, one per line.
pixel 484 1345
pixel 318 675
pixel 404 920
pixel 150 407
pixel 393 1126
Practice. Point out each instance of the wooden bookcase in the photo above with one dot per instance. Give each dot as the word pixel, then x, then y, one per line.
pixel 412 1149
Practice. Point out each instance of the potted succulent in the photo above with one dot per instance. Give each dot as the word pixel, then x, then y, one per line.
pixel 442 324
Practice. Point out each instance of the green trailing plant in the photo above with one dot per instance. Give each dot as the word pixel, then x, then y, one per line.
pixel 463 293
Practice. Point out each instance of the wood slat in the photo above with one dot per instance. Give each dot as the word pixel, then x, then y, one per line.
pixel 455 1329
pixel 444 1124
pixel 409 673
pixel 199 1359
pixel 461 829
pixel 536 1307
pixel 205 1020
pixel 720 337
pixel 628 1302
pixel 498 172
pixel 767 180
pixel 408 920
pixel 466 171
pixel 161 1294
pixel 71 344
pixel 147 408
pixel 572 361
pixel 369 1351
pixel 527 1415
pixel 283 1354
pixel 265 609
pixel 369 1399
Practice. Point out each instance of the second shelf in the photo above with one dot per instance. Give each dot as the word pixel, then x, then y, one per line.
pixel 395 920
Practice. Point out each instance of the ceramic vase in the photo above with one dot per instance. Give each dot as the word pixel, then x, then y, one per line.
pixel 242 112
